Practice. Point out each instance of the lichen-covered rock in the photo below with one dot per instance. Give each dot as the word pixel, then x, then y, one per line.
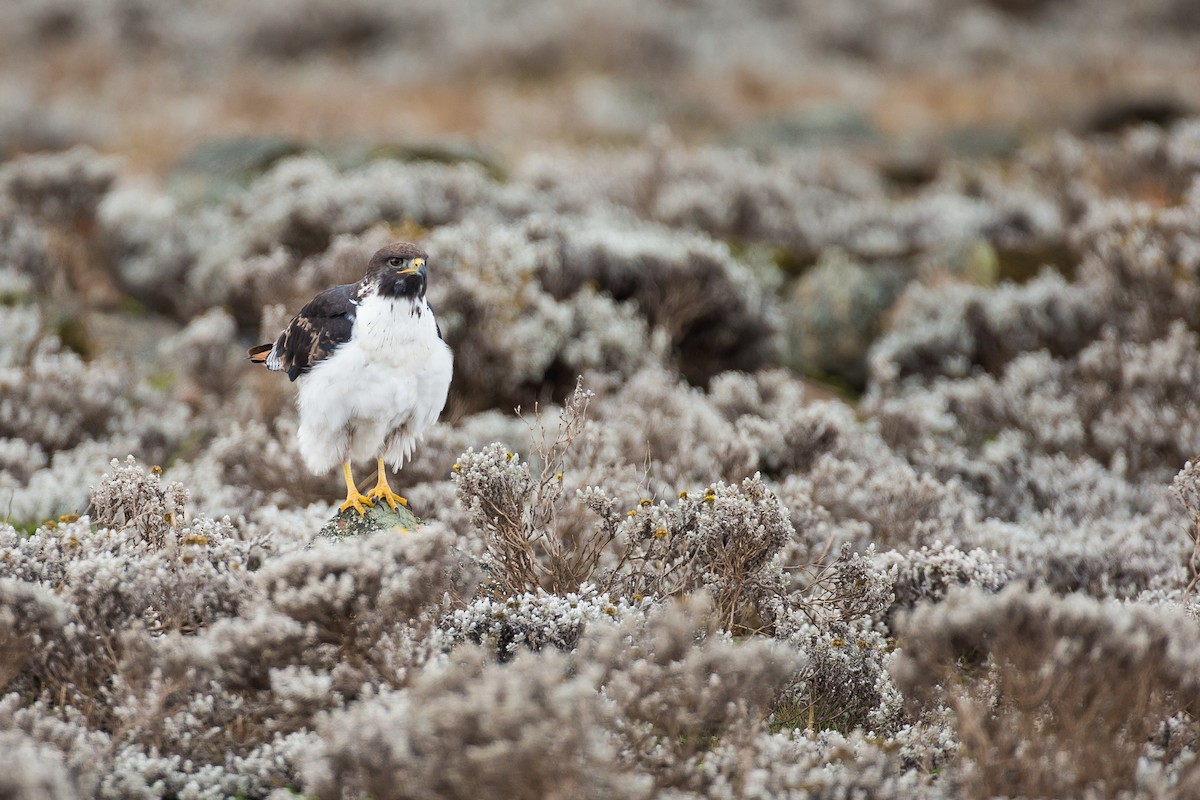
pixel 835 312
pixel 381 517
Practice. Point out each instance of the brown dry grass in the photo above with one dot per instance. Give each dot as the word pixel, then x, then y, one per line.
pixel 155 110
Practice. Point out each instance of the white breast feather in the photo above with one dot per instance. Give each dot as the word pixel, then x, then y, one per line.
pixel 379 392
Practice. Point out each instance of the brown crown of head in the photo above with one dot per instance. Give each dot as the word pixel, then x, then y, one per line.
pixel 401 250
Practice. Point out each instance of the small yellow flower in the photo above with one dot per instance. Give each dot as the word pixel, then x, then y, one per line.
pixel 156 470
pixel 610 610
pixel 558 476
pixel 660 533
pixel 683 495
pixel 645 502
pixel 69 518
pixel 456 468
pixel 838 642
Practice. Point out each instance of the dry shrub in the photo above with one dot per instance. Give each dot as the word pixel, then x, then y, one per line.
pixel 48 209
pixel 354 594
pixel 128 497
pixel 59 400
pixel 803 765
pixel 513 336
pixel 142 571
pixel 190 651
pixel 835 621
pixel 635 703
pixel 108 583
pixel 679 688
pixel 522 516
pixel 1186 488
pixel 688 286
pixel 534 620
pixel 950 329
pixel 784 427
pixel 1052 696
pixel 236 653
pixel 929 573
pixel 538 534
pixel 724 541
pixel 30 617
pixel 63 188
pixel 898 502
pixel 288 33
pixel 206 357
pixel 33 770
pixel 657 419
pixel 526 729
pixel 263 457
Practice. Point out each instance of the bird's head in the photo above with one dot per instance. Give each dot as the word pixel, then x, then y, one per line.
pixel 399 271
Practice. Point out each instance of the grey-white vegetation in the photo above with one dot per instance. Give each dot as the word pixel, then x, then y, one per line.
pixel 687 567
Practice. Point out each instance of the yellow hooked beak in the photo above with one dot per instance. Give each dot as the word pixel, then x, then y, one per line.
pixel 416 267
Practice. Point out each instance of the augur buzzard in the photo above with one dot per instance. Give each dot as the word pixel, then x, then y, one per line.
pixel 373 370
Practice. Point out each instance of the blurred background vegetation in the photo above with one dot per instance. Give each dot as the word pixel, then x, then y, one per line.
pixel 873 301
pixel 181 86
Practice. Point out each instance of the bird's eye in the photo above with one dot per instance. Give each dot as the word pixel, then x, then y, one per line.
pixel 395 262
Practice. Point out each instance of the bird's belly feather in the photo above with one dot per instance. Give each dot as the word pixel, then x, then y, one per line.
pixel 392 377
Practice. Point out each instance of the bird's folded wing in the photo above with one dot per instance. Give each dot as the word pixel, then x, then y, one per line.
pixel 313 334
pixel 436 327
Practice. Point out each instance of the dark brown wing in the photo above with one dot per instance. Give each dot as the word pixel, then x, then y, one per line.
pixel 313 334
pixel 436 327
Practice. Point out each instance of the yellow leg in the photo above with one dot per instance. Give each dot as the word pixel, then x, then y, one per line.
pixel 383 491
pixel 354 499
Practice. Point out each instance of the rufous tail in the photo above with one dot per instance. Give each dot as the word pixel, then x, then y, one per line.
pixel 259 353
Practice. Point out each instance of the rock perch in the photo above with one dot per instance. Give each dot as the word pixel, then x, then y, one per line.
pixel 379 517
